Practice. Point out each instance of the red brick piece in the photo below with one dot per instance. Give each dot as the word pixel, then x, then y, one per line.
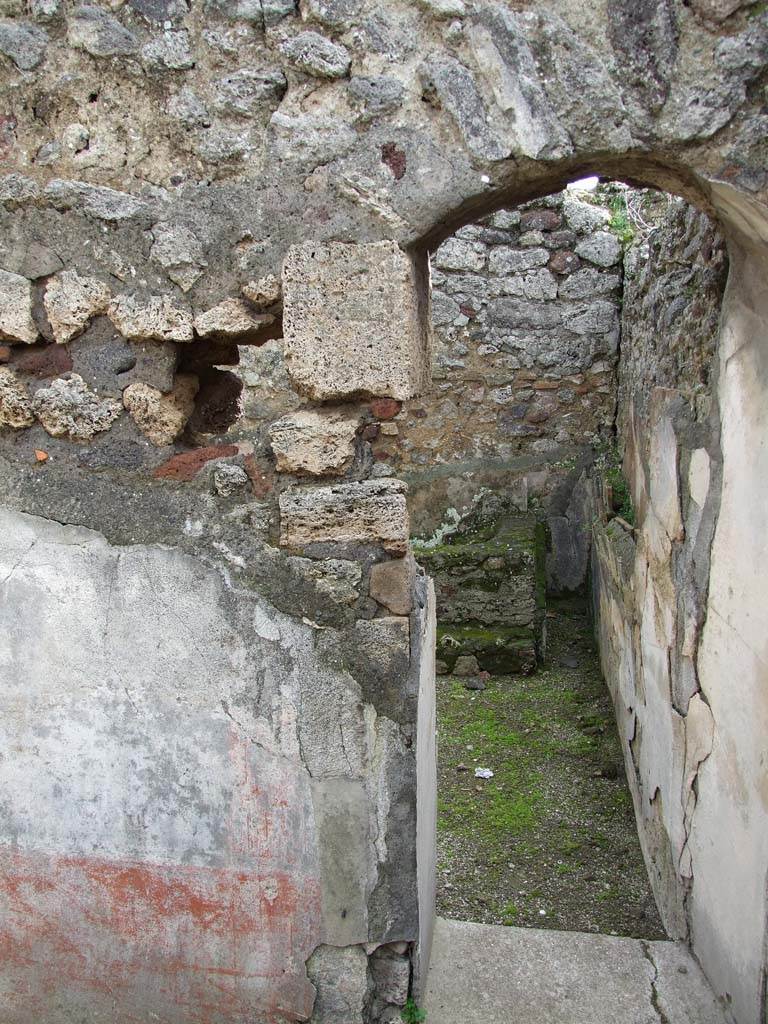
pixel 44 361
pixel 385 408
pixel 540 220
pixel 187 465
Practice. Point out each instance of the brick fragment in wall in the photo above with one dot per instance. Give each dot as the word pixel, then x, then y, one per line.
pixel 368 512
pixel 351 321
pixel 385 408
pixel 43 361
pixel 15 404
pixel 70 301
pixel 162 418
pixel 186 465
pixel 16 323
pixel 315 442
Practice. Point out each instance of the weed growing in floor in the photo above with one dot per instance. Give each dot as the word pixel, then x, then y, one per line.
pixel 412 1014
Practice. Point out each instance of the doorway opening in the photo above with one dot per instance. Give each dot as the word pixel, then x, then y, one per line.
pixel 557 324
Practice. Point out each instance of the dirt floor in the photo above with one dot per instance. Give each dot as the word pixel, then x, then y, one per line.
pixel 549 841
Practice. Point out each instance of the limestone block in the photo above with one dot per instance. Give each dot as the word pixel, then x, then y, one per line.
pixel 392 584
pixel 351 321
pixel 515 261
pixel 601 248
pixel 229 479
pixel 17 191
pixel 15 406
pixel 170 51
pixel 263 293
pixel 23 42
pixel 70 301
pixel 99 33
pixel 155 318
pixel 584 217
pixel 375 94
pixel 248 92
pixel 537 285
pixel 457 91
pixel 456 254
pixel 587 283
pixel 698 476
pixel 335 578
pixel 368 512
pixel 391 976
pixel 717 10
pixel 179 251
pixel 161 418
pixel 318 443
pixel 16 323
pixel 68 408
pixel 315 55
pixel 340 976
pixel 231 318
pixel 597 317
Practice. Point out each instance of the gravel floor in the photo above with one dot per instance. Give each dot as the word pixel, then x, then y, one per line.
pixel 549 841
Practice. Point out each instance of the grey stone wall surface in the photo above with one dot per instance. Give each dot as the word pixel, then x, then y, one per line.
pixel 210 719
pixel 658 600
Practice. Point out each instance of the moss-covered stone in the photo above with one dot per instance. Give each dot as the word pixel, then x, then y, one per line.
pixel 490 582
pixel 501 650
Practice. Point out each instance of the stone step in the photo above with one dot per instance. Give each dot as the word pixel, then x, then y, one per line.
pixel 488 974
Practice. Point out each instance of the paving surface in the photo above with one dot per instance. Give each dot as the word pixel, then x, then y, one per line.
pixel 490 974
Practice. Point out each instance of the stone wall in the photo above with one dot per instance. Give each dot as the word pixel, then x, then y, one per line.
pixel 655 607
pixel 179 722
pixel 526 312
pixel 525 308
pixel 160 160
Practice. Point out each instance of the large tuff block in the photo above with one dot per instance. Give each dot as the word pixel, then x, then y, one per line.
pixel 351 321
pixel 368 512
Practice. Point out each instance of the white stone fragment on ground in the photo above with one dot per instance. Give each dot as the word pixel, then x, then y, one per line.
pixel 68 408
pixel 156 318
pixel 162 418
pixel 231 318
pixel 316 442
pixel 483 773
pixel 16 323
pixel 15 404
pixel 71 301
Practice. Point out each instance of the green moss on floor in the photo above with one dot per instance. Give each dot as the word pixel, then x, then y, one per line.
pixel 550 840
